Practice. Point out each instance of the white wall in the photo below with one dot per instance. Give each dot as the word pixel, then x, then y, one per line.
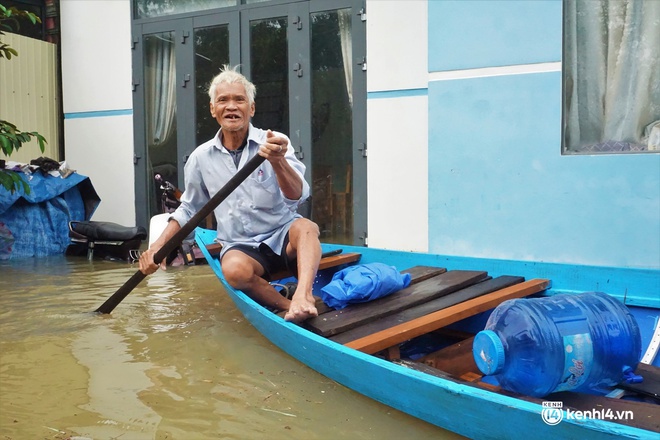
pixel 397 77
pixel 97 100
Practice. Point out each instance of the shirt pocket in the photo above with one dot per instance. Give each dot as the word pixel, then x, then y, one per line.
pixel 266 192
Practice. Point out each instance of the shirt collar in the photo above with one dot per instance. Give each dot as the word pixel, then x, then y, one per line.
pixel 252 136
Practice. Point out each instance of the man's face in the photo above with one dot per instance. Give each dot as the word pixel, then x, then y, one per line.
pixel 231 108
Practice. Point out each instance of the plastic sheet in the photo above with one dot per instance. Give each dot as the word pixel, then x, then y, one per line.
pixel 362 283
pixel 38 221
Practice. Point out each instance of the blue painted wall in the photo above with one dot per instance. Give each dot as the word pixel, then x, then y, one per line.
pixel 466 34
pixel 498 183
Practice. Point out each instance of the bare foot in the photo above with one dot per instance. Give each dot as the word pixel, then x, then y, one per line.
pixel 302 308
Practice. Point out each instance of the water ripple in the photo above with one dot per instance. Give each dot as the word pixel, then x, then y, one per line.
pixel 175 359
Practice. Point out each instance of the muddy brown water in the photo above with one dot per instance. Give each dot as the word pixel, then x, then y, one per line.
pixel 175 360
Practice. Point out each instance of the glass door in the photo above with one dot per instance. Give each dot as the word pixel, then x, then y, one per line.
pixel 157 129
pixel 216 43
pixel 307 60
pixel 275 48
pixel 275 56
pixel 332 128
pixel 302 64
pixel 176 59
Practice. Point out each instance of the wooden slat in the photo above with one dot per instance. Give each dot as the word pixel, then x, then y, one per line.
pixel 423 273
pixel 325 263
pixel 456 359
pixel 336 260
pixel 395 335
pixel 214 249
pixel 417 274
pixel 322 307
pixel 474 291
pixel 355 315
pixel 651 384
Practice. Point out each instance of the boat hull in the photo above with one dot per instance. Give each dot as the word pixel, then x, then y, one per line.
pixel 459 407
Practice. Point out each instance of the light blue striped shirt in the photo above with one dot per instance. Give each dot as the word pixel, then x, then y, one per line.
pixel 255 212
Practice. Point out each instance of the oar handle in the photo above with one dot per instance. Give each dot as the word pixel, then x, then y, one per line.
pixel 233 183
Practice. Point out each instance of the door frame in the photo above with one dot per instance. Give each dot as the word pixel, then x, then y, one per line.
pixel 143 180
pixel 299 87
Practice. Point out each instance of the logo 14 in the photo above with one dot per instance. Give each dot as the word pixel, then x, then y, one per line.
pixel 552 413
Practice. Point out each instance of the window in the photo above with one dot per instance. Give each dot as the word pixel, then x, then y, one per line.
pixel 611 76
pixel 159 8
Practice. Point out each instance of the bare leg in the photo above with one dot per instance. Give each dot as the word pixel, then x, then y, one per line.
pixel 244 273
pixel 304 244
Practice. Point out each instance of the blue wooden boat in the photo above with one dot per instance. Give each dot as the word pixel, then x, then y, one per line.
pixel 442 393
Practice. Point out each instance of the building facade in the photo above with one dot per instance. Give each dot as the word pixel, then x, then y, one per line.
pixel 464 146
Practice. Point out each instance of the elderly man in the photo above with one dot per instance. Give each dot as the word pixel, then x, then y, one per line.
pixel 258 226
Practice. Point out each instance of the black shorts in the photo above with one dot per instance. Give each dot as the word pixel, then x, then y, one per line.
pixel 269 260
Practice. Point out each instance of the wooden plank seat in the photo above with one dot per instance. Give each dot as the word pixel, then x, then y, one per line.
pixel 338 321
pixel 325 263
pixel 397 334
pixel 423 273
pixel 417 275
pixel 329 260
pixel 473 291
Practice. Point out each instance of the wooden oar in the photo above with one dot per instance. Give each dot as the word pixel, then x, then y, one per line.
pixel 242 174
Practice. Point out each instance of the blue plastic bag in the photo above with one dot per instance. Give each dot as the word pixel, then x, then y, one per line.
pixel 362 283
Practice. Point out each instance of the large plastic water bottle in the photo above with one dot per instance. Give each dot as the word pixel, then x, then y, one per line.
pixel 538 346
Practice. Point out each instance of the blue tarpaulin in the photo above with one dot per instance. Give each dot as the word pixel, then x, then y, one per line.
pixel 362 283
pixel 39 221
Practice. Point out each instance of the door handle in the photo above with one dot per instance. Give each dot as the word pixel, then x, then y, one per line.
pixel 297 67
pixel 185 80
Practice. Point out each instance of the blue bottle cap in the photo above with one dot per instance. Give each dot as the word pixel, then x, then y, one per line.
pixel 488 352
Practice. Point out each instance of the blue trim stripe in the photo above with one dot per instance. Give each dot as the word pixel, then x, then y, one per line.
pixel 98 114
pixel 398 93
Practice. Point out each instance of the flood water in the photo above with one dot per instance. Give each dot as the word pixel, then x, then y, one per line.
pixel 174 360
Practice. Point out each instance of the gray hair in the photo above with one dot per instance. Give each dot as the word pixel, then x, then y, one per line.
pixel 229 75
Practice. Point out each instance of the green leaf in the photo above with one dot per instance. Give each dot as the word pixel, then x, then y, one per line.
pixel 6 181
pixel 6 145
pixel 42 142
pixel 12 138
pixel 12 181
